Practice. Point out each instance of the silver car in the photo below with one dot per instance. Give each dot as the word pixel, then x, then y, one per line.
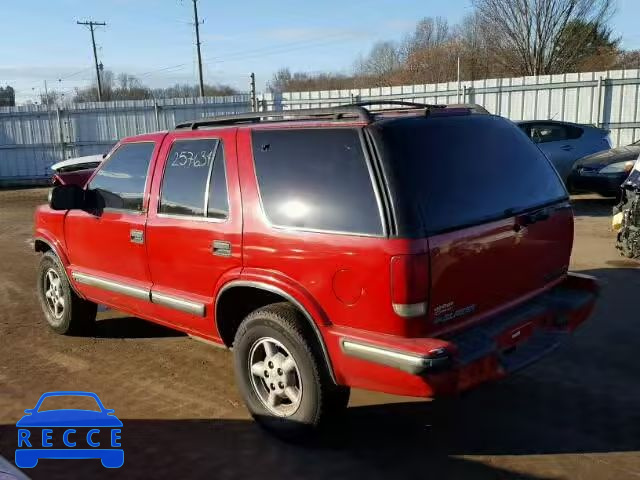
pixel 564 143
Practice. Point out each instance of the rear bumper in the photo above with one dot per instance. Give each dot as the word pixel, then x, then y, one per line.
pixel 428 367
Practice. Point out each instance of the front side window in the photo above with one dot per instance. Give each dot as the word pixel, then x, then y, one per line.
pixel 316 179
pixel 120 183
pixel 193 166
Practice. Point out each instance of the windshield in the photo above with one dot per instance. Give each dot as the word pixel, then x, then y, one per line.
pixel 466 170
pixel 65 402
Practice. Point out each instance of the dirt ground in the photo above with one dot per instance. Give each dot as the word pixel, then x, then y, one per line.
pixel 574 415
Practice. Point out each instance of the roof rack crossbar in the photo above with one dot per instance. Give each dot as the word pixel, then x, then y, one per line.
pixel 336 113
pixel 401 103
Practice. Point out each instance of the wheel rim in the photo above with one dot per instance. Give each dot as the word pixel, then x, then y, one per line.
pixel 275 377
pixel 53 295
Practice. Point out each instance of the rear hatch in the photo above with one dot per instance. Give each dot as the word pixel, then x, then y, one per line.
pixel 489 208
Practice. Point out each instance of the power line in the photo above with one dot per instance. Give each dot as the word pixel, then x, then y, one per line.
pixel 91 24
pixel 66 77
pixel 197 25
pixel 259 52
pixel 310 43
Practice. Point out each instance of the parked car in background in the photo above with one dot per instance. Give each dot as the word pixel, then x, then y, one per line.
pixel 564 143
pixel 75 171
pixel 604 172
pixel 333 248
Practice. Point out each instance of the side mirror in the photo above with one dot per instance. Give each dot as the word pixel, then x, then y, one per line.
pixel 67 197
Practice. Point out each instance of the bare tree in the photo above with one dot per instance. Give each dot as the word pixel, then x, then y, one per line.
pixel 530 36
pixel 125 86
pixel 628 59
pixel 381 61
pixel 429 33
pixel 280 81
pixel 7 96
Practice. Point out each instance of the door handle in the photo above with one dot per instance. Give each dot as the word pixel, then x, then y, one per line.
pixel 221 248
pixel 566 148
pixel 136 236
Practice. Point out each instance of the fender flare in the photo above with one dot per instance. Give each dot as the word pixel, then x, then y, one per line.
pixel 64 261
pixel 260 285
pixel 53 245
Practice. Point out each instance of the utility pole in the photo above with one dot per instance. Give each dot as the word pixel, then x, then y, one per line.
pixel 91 24
pixel 254 103
pixel 197 24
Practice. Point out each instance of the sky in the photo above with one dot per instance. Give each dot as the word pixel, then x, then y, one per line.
pixel 154 39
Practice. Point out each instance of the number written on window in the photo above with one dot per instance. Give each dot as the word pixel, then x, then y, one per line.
pixel 184 186
pixel 192 159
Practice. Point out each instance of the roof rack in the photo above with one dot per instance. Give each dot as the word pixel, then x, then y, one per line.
pixel 335 113
pixel 353 110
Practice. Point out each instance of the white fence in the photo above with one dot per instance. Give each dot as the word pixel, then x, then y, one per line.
pixel 32 138
pixel 607 99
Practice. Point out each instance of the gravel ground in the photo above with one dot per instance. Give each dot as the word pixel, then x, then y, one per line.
pixel 574 415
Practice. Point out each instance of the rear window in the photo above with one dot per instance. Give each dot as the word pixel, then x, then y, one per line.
pixel 465 170
pixel 316 179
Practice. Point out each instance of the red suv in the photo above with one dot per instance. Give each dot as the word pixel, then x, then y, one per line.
pixel 418 250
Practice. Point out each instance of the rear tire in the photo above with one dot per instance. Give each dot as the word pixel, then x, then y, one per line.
pixel 284 381
pixel 66 313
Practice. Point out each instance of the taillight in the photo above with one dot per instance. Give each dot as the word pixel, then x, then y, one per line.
pixel 410 284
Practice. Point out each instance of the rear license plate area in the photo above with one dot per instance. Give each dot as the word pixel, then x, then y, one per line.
pixel 510 338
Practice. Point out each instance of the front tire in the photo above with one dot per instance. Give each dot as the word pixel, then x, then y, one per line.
pixel 283 379
pixel 66 313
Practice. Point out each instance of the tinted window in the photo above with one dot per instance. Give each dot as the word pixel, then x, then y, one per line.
pixel 548 133
pixel 185 178
pixel 121 181
pixel 465 170
pixel 316 178
pixel 553 132
pixel 218 200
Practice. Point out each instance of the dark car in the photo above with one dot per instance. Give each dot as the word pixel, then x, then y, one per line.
pixel 332 248
pixel 604 172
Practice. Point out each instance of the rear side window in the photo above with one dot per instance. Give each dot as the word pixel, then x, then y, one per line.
pixel 553 132
pixel 316 179
pixel 194 176
pixel 465 170
pixel 120 183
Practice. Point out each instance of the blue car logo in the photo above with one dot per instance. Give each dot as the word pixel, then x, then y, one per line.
pixel 69 433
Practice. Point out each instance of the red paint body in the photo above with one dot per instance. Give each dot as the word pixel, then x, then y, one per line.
pixel 344 282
